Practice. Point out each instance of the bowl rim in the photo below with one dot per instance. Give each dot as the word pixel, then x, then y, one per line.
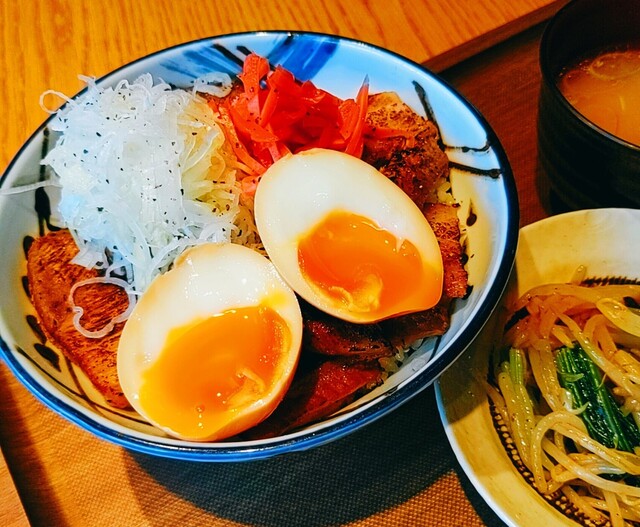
pixel 254 450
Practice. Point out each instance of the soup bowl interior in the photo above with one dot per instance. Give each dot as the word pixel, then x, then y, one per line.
pixel 586 165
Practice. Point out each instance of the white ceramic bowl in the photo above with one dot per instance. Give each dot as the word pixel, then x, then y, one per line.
pixel 482 184
pixel 549 251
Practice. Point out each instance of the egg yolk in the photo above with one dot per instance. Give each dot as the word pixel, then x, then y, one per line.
pixel 365 269
pixel 209 371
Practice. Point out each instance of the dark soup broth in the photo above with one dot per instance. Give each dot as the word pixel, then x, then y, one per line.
pixel 606 90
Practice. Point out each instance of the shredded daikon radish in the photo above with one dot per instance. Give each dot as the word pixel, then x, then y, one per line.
pixel 24 188
pixel 144 175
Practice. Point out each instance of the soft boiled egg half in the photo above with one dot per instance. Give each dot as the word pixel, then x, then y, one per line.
pixel 211 347
pixel 346 238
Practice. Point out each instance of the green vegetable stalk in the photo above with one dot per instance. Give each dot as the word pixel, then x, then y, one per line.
pixel 602 416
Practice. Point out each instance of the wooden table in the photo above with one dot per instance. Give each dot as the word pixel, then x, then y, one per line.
pixel 65 476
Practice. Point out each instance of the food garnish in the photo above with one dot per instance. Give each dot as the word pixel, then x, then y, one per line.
pixel 144 174
pixel 274 115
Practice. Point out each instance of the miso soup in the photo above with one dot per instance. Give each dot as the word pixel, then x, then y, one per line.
pixel 606 90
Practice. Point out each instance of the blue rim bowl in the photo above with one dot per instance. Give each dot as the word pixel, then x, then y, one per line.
pixel 482 183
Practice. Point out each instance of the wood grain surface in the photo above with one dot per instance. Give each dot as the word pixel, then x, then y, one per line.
pixel 503 83
pixel 12 512
pixel 48 43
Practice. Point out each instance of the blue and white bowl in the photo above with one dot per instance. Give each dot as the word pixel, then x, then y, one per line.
pixel 482 184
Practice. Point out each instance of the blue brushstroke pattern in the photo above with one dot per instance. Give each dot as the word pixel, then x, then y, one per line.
pixel 200 61
pixel 303 55
pixel 309 56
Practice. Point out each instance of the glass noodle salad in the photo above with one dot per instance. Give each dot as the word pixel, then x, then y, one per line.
pixel 567 387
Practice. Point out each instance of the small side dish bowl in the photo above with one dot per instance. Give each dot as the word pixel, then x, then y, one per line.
pixel 482 184
pixel 587 165
pixel 549 251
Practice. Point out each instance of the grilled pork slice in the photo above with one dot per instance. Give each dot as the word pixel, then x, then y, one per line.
pixel 387 112
pixel 328 335
pixel 405 330
pixel 411 156
pixel 51 276
pixel 317 393
pixel 414 160
pixel 446 226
